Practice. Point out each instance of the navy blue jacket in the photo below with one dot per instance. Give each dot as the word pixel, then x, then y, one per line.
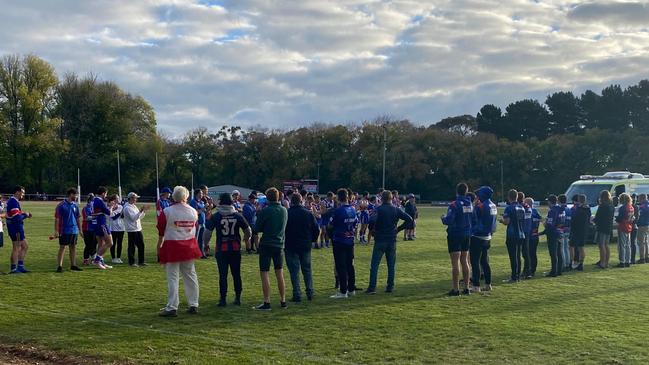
pixel 301 229
pixel 383 222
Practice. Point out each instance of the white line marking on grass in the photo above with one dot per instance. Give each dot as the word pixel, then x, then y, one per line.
pixel 202 337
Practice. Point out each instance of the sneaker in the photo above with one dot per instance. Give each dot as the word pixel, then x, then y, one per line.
pixel 388 289
pixel 283 305
pixel 167 313
pixel 222 303
pixel 339 295
pixel 115 261
pixel 100 265
pixel 487 287
pixel 21 269
pixel 370 291
pixel 192 310
pixel 143 264
pixel 75 268
pixel 134 265
pixel 59 269
pixel 14 271
pixel 262 307
pixel 621 264
pixel 237 302
pixel 528 277
pixel 475 289
pixel 466 292
pixel 454 293
pixel 296 300
pixel 551 275
pixel 580 267
pixel 106 266
pixel 351 293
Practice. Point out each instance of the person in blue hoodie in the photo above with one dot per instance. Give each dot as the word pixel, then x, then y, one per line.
pixel 514 219
pixel 458 220
pixel 553 223
pixel 484 225
pixel 643 228
pixel 534 236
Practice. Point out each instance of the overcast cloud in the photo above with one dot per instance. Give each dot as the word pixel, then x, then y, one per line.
pixel 283 64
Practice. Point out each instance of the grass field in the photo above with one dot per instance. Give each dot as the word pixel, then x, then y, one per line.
pixel 596 317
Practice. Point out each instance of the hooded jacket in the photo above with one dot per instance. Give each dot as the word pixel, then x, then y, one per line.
pixel 485 214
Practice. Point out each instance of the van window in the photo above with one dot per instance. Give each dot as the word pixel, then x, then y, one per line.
pixel 642 189
pixel 591 191
pixel 619 190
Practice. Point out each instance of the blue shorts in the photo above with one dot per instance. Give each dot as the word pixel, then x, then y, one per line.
pixel 16 233
pixel 101 231
pixel 365 217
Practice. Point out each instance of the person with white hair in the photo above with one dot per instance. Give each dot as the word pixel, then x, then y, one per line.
pixel 178 250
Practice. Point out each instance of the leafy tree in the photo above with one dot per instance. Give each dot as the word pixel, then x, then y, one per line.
pixel 489 120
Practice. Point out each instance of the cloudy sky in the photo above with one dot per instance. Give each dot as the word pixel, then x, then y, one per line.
pixel 282 64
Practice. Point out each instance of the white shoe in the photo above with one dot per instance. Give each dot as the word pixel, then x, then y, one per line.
pixel 475 289
pixel 339 295
pixel 117 261
pixel 100 265
pixel 488 287
pixel 351 293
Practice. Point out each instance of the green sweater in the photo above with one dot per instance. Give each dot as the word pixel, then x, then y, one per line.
pixel 271 223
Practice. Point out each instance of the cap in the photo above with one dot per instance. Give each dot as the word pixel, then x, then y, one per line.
pixel 410 196
pixel 166 190
pixel 236 192
pixel 132 195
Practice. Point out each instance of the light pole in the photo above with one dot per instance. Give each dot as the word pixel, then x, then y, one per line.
pixel 502 184
pixel 385 148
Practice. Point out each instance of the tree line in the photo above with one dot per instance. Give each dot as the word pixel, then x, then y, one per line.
pixel 50 126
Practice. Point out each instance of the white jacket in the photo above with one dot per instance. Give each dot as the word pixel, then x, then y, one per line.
pixel 116 221
pixel 132 216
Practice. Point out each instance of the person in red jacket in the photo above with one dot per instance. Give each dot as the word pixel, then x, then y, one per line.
pixel 178 250
pixel 624 221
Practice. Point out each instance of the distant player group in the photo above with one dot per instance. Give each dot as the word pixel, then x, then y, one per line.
pixel 472 219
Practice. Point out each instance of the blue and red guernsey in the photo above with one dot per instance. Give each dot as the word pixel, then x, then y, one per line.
pixel 100 211
pixel 228 228
pixel 516 215
pixel 643 218
pixel 458 217
pixel 344 221
pixel 67 214
pixel 555 220
pixel 160 205
pixel 15 216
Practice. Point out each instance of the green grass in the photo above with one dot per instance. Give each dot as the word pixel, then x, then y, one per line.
pixel 591 317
